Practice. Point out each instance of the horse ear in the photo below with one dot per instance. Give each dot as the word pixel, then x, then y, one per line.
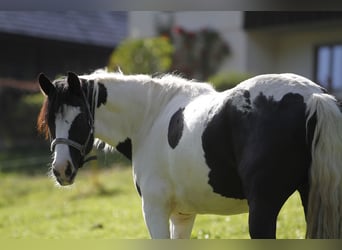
pixel 74 83
pixel 45 84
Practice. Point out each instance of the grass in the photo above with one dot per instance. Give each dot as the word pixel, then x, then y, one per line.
pixel 105 205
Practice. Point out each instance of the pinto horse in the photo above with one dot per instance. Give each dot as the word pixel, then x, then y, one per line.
pixel 196 151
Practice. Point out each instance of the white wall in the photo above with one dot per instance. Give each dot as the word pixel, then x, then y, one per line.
pixel 297 51
pixel 260 53
pixel 289 49
pixel 141 24
pixel 220 20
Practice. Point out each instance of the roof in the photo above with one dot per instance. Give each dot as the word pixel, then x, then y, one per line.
pixel 99 28
pixel 260 19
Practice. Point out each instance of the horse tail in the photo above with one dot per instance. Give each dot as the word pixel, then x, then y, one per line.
pixel 324 213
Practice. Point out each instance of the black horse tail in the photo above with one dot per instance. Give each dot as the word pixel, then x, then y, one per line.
pixel 324 215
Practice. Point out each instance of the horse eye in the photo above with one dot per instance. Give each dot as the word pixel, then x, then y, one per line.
pixel 66 121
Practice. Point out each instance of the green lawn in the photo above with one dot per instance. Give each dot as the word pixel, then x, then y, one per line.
pixel 106 206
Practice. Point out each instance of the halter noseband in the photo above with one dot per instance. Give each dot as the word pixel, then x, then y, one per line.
pixel 81 148
pixel 76 145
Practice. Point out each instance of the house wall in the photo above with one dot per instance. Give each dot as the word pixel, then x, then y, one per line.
pixel 289 49
pixel 141 24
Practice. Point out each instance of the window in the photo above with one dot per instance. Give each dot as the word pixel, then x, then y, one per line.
pixel 329 67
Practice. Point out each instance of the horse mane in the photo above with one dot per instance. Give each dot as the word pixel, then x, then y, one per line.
pixel 42 125
pixel 168 81
pixel 53 102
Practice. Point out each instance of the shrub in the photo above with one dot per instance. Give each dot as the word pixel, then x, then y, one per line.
pixel 19 110
pixel 142 56
pixel 198 54
pixel 224 81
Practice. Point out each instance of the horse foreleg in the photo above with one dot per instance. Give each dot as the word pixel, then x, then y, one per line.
pixel 181 225
pixel 157 220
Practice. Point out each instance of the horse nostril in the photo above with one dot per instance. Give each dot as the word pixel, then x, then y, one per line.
pixel 56 173
pixel 68 170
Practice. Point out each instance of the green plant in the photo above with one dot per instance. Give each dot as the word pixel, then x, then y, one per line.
pixel 19 110
pixel 224 81
pixel 142 56
pixel 34 99
pixel 31 207
pixel 198 54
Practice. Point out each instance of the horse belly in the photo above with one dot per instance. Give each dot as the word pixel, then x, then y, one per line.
pixel 196 202
pixel 190 177
pixel 193 193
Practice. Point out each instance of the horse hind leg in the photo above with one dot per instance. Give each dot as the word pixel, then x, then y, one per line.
pixel 304 196
pixel 181 225
pixel 263 219
pixel 267 188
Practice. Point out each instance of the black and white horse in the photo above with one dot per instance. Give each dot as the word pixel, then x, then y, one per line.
pixel 195 150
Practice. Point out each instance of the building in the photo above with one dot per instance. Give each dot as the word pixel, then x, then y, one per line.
pixel 52 42
pixel 58 41
pixel 306 43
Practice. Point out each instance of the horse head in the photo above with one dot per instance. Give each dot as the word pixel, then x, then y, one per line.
pixel 67 119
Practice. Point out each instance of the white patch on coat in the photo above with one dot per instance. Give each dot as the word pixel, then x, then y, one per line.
pixel 278 85
pixel 63 123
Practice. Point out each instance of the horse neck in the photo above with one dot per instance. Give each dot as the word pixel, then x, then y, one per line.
pixel 131 107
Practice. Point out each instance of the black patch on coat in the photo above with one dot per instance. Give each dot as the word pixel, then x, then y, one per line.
pixel 260 152
pixel 125 148
pixel 102 95
pixel 176 126
pixel 79 132
pixel 88 88
pixel 217 142
pixel 276 158
pixel 247 97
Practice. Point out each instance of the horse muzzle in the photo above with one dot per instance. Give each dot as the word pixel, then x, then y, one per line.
pixel 64 174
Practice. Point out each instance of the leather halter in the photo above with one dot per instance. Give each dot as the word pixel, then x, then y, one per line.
pixel 81 148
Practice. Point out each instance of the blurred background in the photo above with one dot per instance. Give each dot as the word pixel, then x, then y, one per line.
pixel 222 47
